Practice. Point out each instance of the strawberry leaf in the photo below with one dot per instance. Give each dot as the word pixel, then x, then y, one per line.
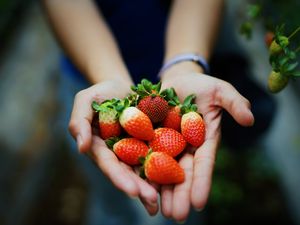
pixel 296 73
pixel 172 103
pixel 96 106
pixel 189 100
pixel 291 67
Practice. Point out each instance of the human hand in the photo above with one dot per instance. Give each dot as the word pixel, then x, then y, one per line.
pixel 212 95
pixel 120 174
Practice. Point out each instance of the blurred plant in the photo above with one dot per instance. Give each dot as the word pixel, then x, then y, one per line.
pixel 283 50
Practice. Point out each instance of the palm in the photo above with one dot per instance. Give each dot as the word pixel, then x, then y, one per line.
pixel 211 96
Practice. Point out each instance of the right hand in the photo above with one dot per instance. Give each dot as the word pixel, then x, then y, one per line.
pixel 121 175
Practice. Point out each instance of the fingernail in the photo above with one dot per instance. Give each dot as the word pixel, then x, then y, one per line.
pixel 79 141
pixel 198 210
pixel 133 197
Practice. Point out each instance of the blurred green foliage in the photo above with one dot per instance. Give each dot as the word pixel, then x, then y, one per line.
pixel 245 190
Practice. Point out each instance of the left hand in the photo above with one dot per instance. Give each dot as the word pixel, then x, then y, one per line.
pixel 212 95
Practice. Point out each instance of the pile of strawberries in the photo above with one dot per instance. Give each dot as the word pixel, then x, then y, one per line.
pixel 151 128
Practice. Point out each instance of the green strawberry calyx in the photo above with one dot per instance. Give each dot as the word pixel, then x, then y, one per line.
pixel 143 161
pixel 147 88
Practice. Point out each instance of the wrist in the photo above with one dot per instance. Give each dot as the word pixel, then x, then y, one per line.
pixel 97 74
pixel 181 68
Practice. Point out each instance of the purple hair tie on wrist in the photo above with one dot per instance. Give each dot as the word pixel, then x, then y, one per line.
pixel 185 57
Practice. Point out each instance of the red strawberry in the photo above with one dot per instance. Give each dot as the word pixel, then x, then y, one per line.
pixel 109 125
pixel 173 118
pixel 161 168
pixel 269 36
pixel 155 107
pixel 136 123
pixel 193 128
pixel 167 140
pixel 129 150
pixel 150 100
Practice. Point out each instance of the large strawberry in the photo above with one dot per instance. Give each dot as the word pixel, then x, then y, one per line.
pixel 109 125
pixel 167 140
pixel 128 150
pixel 192 124
pixel 136 123
pixel 150 100
pixel 161 168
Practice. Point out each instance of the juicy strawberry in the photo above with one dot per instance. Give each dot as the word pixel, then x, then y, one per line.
pixel 193 128
pixel 151 102
pixel 136 123
pixel 129 150
pixel 173 118
pixel 161 168
pixel 155 107
pixel 167 140
pixel 109 125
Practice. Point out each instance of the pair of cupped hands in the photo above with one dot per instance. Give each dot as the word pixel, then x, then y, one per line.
pixel 212 96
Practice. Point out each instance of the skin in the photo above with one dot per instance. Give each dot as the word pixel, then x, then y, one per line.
pixel 85 37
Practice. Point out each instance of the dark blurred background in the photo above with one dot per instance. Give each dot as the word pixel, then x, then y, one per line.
pixel 41 182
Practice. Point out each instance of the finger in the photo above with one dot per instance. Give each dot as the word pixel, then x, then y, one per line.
pixel 80 121
pixel 147 193
pixel 181 196
pixel 109 164
pixel 237 105
pixel 166 200
pixel 204 160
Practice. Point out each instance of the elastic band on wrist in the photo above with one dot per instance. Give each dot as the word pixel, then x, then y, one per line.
pixel 185 57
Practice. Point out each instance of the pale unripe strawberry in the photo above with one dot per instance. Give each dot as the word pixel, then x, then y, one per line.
pixel 193 128
pixel 136 123
pixel 277 81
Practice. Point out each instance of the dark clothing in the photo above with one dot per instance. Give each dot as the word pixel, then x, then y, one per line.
pixel 139 28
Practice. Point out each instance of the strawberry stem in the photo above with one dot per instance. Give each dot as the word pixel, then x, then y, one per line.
pixel 295 32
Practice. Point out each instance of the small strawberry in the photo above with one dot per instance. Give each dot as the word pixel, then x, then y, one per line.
pixel 277 81
pixel 173 118
pixel 150 101
pixel 161 168
pixel 128 150
pixel 136 123
pixel 269 37
pixel 167 140
pixel 109 125
pixel 192 124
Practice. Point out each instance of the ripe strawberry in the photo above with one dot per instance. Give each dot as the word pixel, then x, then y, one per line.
pixel 193 128
pixel 161 168
pixel 192 124
pixel 109 125
pixel 173 118
pixel 136 123
pixel 277 81
pixel 167 140
pixel 155 107
pixel 129 150
pixel 150 101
